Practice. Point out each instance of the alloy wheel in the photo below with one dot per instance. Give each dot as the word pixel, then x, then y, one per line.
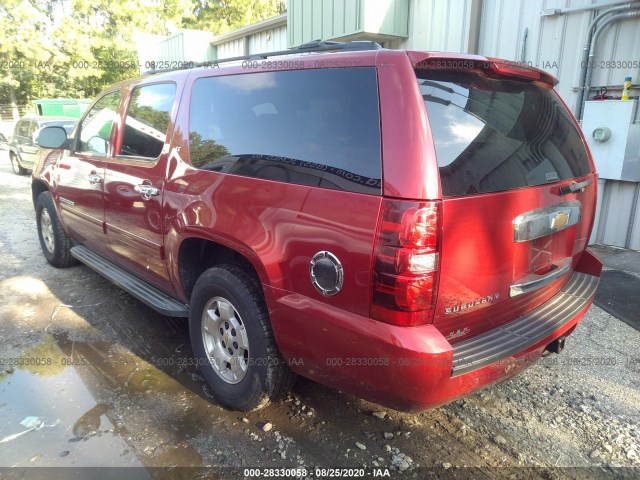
pixel 225 340
pixel 47 230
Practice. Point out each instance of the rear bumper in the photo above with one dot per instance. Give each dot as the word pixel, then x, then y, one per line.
pixel 537 325
pixel 416 368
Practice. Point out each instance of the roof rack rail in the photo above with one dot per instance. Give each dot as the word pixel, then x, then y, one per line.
pixel 313 46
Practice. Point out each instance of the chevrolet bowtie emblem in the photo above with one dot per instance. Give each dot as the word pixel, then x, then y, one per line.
pixel 560 220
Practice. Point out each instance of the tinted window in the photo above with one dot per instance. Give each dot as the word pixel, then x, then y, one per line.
pixel 315 127
pixel 148 116
pixel 492 135
pixel 96 126
pixel 22 128
pixel 33 127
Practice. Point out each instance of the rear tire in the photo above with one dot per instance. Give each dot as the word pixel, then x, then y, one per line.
pixel 56 245
pixel 233 342
pixel 15 164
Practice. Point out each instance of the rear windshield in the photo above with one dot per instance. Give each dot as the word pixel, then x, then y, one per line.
pixel 493 134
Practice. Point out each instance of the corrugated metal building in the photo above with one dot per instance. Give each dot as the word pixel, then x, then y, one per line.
pixel 266 36
pixel 187 46
pixel 157 52
pixel 548 34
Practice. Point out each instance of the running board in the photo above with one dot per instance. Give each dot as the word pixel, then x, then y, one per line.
pixel 151 296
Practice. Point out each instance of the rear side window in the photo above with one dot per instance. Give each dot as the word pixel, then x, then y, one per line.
pixel 493 134
pixel 313 127
pixel 147 121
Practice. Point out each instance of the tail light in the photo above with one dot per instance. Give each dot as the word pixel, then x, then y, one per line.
pixel 514 69
pixel 487 66
pixel 406 262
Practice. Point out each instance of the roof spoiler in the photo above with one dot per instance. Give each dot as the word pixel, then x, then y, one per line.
pixel 487 66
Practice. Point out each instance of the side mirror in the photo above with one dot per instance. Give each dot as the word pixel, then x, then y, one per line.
pixel 52 137
pixel 98 145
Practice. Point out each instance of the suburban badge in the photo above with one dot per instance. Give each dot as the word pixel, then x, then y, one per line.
pixel 469 305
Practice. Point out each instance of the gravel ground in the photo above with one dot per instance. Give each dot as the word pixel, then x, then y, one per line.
pixel 131 397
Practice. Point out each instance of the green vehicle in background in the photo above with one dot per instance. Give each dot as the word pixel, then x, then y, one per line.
pixel 23 151
pixel 61 107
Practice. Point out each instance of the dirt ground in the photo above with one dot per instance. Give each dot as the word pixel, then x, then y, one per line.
pixel 112 382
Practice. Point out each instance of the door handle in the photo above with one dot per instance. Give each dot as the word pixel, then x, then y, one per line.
pixel 534 282
pixel 95 179
pixel 146 191
pixel 574 187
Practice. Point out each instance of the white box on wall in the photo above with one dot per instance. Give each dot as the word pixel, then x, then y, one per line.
pixel 617 154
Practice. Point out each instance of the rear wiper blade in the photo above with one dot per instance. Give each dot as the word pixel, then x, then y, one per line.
pixel 574 187
pixel 441 101
pixel 428 83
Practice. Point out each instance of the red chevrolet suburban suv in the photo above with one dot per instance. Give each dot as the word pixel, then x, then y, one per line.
pixel 405 226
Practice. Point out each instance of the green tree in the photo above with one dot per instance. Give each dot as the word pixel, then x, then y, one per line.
pixel 74 49
pixel 204 152
pixel 97 38
pixel 23 29
pixel 220 16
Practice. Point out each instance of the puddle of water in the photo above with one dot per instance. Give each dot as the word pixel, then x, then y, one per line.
pixel 116 408
pixel 76 433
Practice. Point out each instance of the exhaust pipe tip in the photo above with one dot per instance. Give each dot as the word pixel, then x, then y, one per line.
pixel 556 346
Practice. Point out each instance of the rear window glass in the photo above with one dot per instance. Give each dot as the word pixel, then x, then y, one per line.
pixel 492 135
pixel 310 127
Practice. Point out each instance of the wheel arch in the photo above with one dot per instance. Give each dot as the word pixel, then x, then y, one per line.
pixel 13 151
pixel 197 254
pixel 37 187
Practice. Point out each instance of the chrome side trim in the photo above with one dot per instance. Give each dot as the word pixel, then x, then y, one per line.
pixel 545 221
pixel 533 282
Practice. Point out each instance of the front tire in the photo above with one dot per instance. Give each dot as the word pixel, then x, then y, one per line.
pixel 56 245
pixel 233 342
pixel 15 164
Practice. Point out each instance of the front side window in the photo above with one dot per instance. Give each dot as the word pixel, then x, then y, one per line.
pixel 309 127
pixel 147 121
pixel 95 129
